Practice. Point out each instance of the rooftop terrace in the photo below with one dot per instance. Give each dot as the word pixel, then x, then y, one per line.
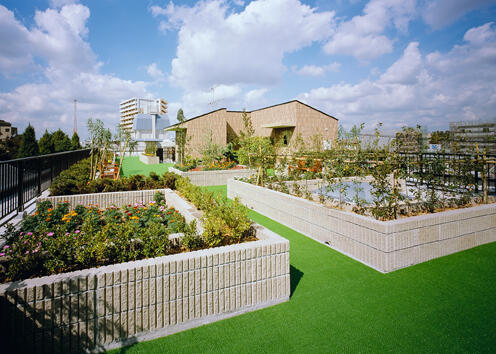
pixel 341 305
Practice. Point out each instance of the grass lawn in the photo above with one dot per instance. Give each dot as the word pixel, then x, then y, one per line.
pixel 340 305
pixel 133 166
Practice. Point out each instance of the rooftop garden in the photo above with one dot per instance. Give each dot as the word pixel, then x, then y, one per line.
pixel 338 304
pixel 385 181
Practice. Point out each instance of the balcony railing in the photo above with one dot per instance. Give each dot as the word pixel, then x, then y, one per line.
pixel 22 180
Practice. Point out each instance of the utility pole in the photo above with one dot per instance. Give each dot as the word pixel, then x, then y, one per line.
pixel 75 116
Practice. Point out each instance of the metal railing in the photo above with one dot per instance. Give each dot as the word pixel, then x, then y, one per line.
pixel 22 180
pixel 483 168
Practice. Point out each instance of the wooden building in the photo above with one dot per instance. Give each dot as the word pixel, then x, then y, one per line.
pixel 282 123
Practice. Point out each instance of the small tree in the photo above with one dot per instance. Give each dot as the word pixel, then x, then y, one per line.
pixel 46 143
pixel 100 140
pixel 181 138
pixel 9 148
pixel 124 144
pixel 61 141
pixel 248 131
pixel 257 152
pixel 29 145
pixel 209 150
pixel 180 115
pixel 75 144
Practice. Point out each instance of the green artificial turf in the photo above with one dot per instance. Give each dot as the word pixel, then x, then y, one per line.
pixel 133 166
pixel 340 305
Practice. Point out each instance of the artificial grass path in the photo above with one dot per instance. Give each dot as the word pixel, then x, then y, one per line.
pixel 133 166
pixel 340 305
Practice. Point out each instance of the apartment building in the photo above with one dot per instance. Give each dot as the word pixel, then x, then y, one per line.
pixel 7 130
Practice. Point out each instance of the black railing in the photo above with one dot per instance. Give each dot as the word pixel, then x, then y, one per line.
pixel 460 166
pixel 24 179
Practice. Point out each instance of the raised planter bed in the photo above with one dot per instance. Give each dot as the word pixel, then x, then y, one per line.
pixel 111 306
pixel 149 160
pixel 213 178
pixel 105 200
pixel 382 245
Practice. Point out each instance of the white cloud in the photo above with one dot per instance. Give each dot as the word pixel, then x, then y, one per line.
pixel 154 71
pixel 440 13
pixel 363 36
pixel 14 55
pixel 60 3
pixel 480 35
pixel 58 37
pixel 71 72
pixel 406 68
pixel 255 96
pixel 430 90
pixel 220 46
pixel 197 102
pixel 315 70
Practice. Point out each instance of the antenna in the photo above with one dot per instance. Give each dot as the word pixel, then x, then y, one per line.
pixel 75 116
pixel 213 102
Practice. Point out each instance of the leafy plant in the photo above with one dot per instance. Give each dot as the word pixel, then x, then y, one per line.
pixel 56 239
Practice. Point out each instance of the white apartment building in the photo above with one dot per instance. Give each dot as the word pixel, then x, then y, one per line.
pixel 130 108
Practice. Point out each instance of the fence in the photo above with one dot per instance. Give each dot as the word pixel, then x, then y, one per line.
pixel 24 179
pixel 456 166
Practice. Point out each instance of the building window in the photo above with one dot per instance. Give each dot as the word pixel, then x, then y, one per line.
pixel 281 136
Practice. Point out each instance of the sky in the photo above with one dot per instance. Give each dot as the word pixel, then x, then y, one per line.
pixel 395 62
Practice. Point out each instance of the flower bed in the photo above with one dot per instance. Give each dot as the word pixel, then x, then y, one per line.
pixel 213 177
pixel 110 306
pixel 57 239
pixel 383 245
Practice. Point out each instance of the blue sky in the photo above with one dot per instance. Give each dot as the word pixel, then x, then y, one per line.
pixel 399 62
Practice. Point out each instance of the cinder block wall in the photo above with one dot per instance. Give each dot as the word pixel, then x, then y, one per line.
pixel 212 178
pixel 382 245
pixel 110 306
pixel 114 305
pixel 105 200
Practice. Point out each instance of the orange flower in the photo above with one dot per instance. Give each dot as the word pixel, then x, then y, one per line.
pixel 47 219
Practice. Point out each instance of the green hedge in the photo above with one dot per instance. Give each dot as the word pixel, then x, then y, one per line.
pixel 224 221
pixel 75 180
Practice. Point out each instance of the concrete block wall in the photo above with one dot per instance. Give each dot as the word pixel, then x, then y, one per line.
pixel 149 160
pixel 105 200
pixel 212 178
pixel 107 307
pixel 382 245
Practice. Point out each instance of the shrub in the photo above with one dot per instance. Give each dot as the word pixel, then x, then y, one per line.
pixel 75 180
pixel 224 221
pixel 191 240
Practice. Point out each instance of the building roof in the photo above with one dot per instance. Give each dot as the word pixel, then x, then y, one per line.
pixel 144 122
pixel 4 123
pixel 260 109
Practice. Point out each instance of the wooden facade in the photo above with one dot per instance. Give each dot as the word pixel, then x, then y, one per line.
pixel 282 123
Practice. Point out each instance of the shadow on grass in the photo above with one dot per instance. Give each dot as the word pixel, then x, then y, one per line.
pixel 295 276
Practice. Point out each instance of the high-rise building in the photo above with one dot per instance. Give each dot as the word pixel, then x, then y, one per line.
pixel 466 135
pixel 130 108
